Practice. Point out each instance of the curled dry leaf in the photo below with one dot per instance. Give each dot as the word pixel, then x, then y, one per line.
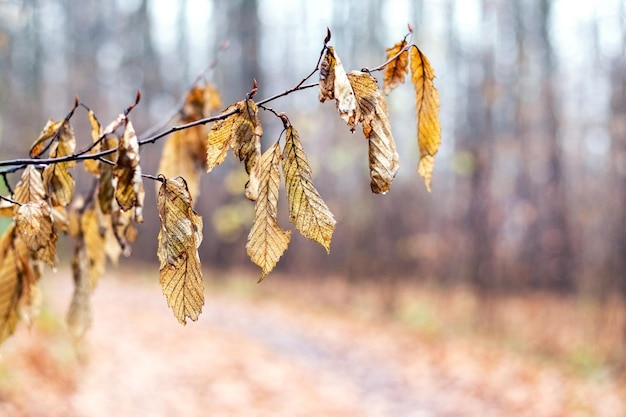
pixel 397 69
pixel 242 131
pixel 427 109
pixel 129 191
pixel 107 182
pixel 30 188
pixel 93 240
pixel 49 131
pixel 185 151
pixel 16 278
pixel 372 114
pixel 92 165
pixel 307 211
pixel 334 84
pixel 79 315
pixel 267 241
pixel 179 238
pixel 34 226
pixel 56 177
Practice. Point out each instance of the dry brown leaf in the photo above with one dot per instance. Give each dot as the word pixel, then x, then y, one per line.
pixel 56 177
pixel 16 276
pixel 30 188
pixel 7 209
pixel 129 191
pixel 107 183
pixel 202 101
pixel 427 108
pixel 92 165
pixel 185 152
pixel 242 131
pixel 334 84
pixel 307 210
pixel 49 131
pixel 179 238
pixel 267 241
pixel 220 138
pixel 94 243
pixel 79 315
pixel 247 144
pixel 397 69
pixel 372 114
pixel 34 226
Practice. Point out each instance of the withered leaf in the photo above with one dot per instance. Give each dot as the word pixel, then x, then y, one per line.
pixel 49 131
pixel 16 276
pixel 242 131
pixel 179 238
pixel 267 241
pixel 56 177
pixel 307 210
pixel 30 188
pixel 202 101
pixel 220 138
pixel 427 108
pixel 107 183
pixel 372 114
pixel 185 153
pixel 92 165
pixel 79 315
pixel 334 84
pixel 397 69
pixel 34 226
pixel 94 243
pixel 129 191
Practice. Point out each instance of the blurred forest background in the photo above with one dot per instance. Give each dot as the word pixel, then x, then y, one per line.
pixel 529 189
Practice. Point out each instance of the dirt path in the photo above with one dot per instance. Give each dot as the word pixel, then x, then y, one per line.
pixel 251 357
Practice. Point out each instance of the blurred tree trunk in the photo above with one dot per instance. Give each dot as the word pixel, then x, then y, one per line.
pixel 480 146
pixel 617 124
pixel 245 26
pixel 547 251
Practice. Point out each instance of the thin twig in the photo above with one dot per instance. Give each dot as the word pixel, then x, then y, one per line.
pixel 10 200
pixel 6 183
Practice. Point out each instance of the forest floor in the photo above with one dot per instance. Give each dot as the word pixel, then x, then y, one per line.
pixel 292 348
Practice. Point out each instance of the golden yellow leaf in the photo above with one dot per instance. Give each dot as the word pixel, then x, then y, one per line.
pixel 372 114
pixel 29 306
pixel 30 188
pixel 427 108
pixel 34 226
pixel 129 191
pixel 106 185
pixel 79 316
pixel 185 153
pixel 56 178
pixel 7 209
pixel 307 210
pixel 247 144
pixel 179 238
pixel 220 138
pixel 267 241
pixel 242 131
pixel 397 69
pixel 202 101
pixel 334 84
pixel 94 243
pixel 92 165
pixel 16 275
pixel 180 157
pixel 49 131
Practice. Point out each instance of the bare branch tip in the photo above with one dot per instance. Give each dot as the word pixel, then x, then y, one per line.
pixel 328 36
pixel 410 27
pixel 255 88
